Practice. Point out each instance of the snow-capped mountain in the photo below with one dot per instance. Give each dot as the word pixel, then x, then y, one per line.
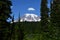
pixel 30 18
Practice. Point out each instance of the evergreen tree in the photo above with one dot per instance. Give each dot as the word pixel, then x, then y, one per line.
pixel 18 32
pixel 55 13
pixel 21 34
pixel 44 15
pixel 12 30
pixel 55 18
pixel 5 12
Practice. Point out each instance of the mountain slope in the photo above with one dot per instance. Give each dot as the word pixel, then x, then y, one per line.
pixel 30 18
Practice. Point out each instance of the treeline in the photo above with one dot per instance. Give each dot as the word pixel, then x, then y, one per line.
pixel 48 28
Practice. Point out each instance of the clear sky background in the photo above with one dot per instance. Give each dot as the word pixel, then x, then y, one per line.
pixel 26 6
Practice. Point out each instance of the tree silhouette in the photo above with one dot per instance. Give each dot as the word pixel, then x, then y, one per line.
pixel 54 18
pixel 12 29
pixel 55 13
pixel 44 15
pixel 5 12
pixel 21 34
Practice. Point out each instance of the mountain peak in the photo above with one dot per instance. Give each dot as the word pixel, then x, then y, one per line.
pixel 30 18
pixel 30 14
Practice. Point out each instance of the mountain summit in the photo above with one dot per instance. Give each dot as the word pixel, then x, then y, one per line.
pixel 30 18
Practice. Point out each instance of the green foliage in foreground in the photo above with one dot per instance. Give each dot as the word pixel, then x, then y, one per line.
pixel 32 31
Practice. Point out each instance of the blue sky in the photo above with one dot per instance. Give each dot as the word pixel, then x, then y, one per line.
pixel 26 6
